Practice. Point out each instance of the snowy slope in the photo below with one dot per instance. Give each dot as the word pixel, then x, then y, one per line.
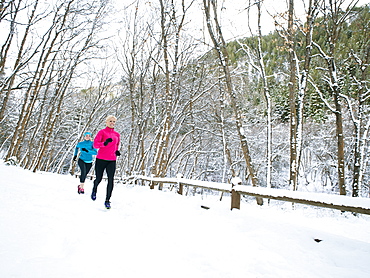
pixel 48 230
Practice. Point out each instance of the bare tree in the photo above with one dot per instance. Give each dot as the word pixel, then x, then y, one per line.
pixel 171 26
pixel 295 120
pixel 48 44
pixel 260 67
pixel 24 54
pixel 56 58
pixel 362 122
pixel 334 19
pixel 298 80
pixel 135 54
pixel 357 57
pixel 221 51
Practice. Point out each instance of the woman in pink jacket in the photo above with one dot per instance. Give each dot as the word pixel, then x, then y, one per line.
pixel 107 141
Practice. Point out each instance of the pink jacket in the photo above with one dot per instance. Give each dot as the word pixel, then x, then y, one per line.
pixel 107 152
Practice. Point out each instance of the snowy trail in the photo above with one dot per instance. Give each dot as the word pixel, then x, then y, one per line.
pixel 48 230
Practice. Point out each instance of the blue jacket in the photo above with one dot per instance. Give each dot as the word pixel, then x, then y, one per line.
pixel 86 156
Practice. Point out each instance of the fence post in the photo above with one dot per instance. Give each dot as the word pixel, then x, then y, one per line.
pixel 181 188
pixel 235 196
pixel 235 199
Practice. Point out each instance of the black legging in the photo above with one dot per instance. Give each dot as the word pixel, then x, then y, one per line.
pixel 110 167
pixel 85 169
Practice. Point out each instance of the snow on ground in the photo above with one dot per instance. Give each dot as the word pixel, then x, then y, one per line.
pixel 48 230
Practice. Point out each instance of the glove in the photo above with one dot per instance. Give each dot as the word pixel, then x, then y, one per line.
pixel 118 153
pixel 74 158
pixel 107 141
pixel 85 150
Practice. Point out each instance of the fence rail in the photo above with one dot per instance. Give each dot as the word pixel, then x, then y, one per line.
pixel 338 202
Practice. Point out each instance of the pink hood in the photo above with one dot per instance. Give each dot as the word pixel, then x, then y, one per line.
pixel 107 152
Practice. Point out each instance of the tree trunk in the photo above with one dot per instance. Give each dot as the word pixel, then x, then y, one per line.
pixel 267 96
pixel 294 155
pixel 361 131
pixel 220 47
pixel 7 86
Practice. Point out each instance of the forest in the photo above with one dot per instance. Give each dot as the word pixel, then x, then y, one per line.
pixel 287 108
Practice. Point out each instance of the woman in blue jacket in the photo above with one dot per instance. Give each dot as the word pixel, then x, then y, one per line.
pixel 85 160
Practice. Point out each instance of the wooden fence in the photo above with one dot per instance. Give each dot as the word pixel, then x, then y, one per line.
pixel 343 203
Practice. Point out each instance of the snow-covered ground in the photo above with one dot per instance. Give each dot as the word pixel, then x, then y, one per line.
pixel 47 230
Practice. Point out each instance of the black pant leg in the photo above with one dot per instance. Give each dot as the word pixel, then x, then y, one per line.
pixel 82 166
pixel 99 170
pixel 88 168
pixel 111 169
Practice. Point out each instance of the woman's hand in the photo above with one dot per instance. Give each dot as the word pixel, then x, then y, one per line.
pixel 107 141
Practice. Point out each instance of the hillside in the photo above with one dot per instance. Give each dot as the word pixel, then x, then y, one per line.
pixel 48 230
